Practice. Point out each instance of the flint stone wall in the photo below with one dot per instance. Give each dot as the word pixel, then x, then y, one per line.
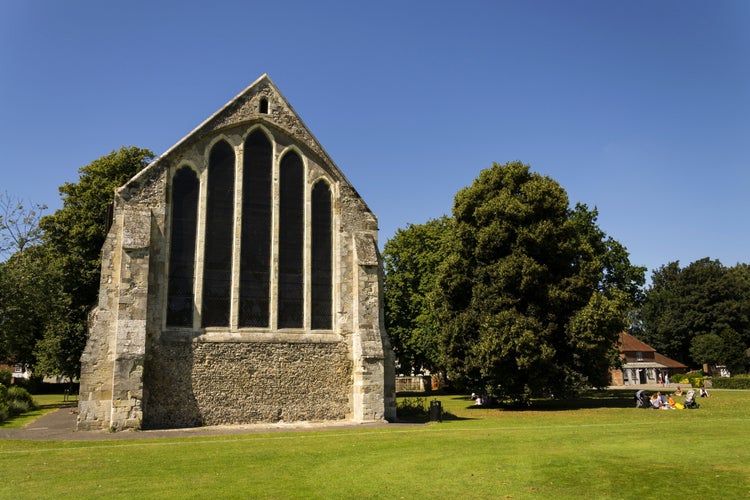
pixel 209 383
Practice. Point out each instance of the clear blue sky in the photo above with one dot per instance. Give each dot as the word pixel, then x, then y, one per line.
pixel 638 108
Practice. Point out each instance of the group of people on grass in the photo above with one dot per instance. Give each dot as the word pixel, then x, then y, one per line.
pixel 666 401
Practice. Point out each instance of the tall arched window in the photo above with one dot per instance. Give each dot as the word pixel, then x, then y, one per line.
pixel 255 260
pixel 217 265
pixel 291 242
pixel 182 248
pixel 321 259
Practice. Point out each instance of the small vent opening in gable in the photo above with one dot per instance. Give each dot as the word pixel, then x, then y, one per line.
pixel 263 107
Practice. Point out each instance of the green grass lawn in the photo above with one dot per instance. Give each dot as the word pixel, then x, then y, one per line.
pixel 595 447
pixel 45 403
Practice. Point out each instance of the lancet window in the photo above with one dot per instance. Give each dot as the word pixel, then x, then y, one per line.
pixel 321 250
pixel 255 260
pixel 265 258
pixel 184 212
pixel 217 258
pixel 291 241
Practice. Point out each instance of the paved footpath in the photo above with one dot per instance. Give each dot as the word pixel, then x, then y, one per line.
pixel 60 425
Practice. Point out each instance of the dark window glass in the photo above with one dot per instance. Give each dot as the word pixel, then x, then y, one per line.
pixel 255 265
pixel 182 248
pixel 217 265
pixel 322 270
pixel 291 241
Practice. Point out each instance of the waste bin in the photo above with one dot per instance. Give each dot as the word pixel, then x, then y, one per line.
pixel 436 411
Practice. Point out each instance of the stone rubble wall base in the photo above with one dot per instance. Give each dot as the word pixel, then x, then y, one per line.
pixel 190 384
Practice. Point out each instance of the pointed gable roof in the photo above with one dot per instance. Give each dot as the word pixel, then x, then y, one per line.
pixel 245 108
pixel 628 343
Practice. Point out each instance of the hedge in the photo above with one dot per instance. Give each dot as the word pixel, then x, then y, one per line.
pixel 736 382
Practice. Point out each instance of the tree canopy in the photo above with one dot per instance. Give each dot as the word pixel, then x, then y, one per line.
pixel 531 294
pixel 77 230
pixel 687 309
pixel 48 287
pixel 411 259
pixel 30 299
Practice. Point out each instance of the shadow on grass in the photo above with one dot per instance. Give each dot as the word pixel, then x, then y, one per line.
pixel 588 400
pixel 56 405
pixel 425 418
pixel 416 409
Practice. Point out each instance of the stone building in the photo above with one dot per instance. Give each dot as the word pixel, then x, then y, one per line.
pixel 241 282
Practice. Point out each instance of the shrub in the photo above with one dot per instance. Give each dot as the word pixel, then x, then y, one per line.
pixel 5 376
pixel 736 382
pixel 678 378
pixel 694 378
pixel 17 407
pixel 21 395
pixel 4 411
pixel 412 408
pixel 3 394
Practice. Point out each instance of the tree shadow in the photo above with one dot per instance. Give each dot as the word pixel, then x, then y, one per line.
pixel 415 409
pixel 424 419
pixel 591 399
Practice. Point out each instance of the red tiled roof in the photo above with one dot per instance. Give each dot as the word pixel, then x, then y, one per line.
pixel 668 362
pixel 628 343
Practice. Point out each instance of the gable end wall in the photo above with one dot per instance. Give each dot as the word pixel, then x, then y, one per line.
pixel 138 374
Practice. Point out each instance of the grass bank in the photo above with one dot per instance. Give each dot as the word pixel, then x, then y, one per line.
pixel 597 447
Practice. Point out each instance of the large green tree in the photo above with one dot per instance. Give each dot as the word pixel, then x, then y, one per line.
pixel 78 229
pixel 25 279
pixel 30 299
pixel 532 294
pixel 725 349
pixel 411 259
pixel 75 235
pixel 703 298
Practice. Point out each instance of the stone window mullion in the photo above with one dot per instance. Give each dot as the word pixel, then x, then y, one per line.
pixel 273 320
pixel 236 235
pixel 200 247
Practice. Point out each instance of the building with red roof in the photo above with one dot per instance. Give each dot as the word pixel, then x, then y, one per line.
pixel 641 364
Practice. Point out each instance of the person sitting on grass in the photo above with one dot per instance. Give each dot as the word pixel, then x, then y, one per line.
pixel 656 401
